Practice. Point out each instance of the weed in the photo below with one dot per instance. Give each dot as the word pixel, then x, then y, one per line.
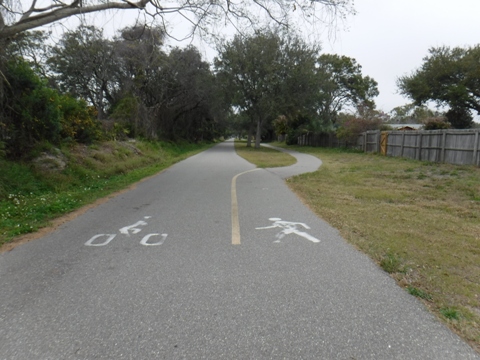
pixel 450 313
pixel 419 293
pixel 391 263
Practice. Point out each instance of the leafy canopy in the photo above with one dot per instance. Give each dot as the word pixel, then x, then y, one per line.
pixel 449 77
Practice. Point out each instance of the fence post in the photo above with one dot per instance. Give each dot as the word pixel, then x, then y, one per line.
pixel 444 142
pixel 419 146
pixel 377 136
pixel 475 149
pixel 403 143
pixel 365 136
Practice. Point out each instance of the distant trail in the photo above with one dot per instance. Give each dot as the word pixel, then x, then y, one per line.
pixel 305 163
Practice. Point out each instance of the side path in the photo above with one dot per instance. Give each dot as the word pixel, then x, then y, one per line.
pixel 305 163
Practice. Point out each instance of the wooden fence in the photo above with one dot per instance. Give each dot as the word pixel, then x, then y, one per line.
pixel 461 147
pixel 321 140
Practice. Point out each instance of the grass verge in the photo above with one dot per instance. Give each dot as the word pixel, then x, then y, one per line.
pixel 32 194
pixel 264 156
pixel 419 221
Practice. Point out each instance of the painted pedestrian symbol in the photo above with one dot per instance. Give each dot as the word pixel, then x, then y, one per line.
pixel 289 227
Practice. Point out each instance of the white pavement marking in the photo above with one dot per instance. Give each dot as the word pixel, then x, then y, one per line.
pixel 235 221
pixel 147 237
pixel 109 238
pixel 289 228
pixel 133 228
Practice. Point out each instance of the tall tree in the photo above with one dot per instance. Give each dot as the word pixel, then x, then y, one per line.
pixel 268 75
pixel 448 76
pixel 341 85
pixel 188 108
pixel 84 63
pixel 139 60
pixel 249 68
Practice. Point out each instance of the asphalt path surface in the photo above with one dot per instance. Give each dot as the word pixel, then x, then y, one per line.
pixel 153 274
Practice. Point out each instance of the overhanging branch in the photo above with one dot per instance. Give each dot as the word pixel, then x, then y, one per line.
pixel 31 22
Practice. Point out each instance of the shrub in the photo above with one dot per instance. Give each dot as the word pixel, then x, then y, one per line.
pixel 30 109
pixel 79 120
pixel 436 123
pixel 351 127
pixel 34 113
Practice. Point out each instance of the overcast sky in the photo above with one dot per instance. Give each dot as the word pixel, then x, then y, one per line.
pixel 389 38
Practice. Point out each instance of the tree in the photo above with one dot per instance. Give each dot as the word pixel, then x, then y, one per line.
pixel 248 68
pixel 85 66
pixel 342 85
pixel 140 85
pixel 448 76
pixel 268 75
pixel 33 47
pixel 189 109
pixel 459 118
pixel 412 114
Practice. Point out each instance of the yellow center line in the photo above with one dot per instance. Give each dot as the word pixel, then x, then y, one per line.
pixel 235 221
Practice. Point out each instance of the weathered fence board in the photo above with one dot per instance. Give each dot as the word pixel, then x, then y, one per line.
pixel 461 147
pixel 450 146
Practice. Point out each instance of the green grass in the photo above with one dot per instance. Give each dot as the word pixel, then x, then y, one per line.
pixel 419 221
pixel 30 197
pixel 419 293
pixel 392 264
pixel 450 313
pixel 264 156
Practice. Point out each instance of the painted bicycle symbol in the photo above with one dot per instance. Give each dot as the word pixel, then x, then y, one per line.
pixel 104 239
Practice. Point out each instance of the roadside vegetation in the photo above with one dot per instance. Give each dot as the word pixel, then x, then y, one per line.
pixel 61 181
pixel 418 221
pixel 264 156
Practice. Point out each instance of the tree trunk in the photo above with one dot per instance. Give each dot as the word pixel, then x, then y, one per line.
pixel 259 134
pixel 3 63
pixel 249 136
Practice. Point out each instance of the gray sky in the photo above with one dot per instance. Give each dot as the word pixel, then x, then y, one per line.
pixel 389 38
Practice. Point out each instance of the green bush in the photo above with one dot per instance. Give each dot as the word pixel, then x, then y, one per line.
pixel 34 113
pixel 436 123
pixel 79 121
pixel 31 110
pixel 351 127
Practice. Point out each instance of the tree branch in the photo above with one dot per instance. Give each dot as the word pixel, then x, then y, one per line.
pixel 62 13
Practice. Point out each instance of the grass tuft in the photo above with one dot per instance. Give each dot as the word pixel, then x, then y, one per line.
pixel 419 293
pixel 450 313
pixel 391 263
